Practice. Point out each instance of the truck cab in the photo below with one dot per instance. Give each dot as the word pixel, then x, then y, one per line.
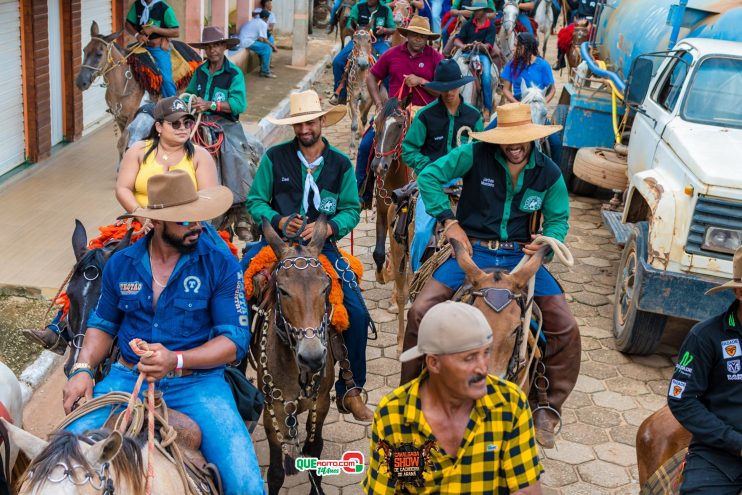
pixel 682 219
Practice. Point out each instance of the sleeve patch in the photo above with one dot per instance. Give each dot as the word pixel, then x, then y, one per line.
pixel 677 388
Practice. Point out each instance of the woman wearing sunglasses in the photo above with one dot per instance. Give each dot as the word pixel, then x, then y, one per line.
pixel 168 147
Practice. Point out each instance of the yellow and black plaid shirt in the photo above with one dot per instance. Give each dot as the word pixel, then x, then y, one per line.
pixel 497 455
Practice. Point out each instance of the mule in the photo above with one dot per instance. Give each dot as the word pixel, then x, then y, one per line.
pixel 100 461
pixel 11 409
pixel 544 17
pixel 506 35
pixel 658 438
pixel 103 57
pixel 295 369
pixel 391 173
pixel 359 62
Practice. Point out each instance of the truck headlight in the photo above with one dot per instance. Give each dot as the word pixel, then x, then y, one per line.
pixel 722 240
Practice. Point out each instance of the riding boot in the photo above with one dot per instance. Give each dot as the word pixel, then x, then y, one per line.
pixel 561 61
pixel 432 293
pixel 562 363
pixel 47 338
pixel 353 403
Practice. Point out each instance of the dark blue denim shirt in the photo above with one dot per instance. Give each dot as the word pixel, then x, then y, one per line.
pixel 204 298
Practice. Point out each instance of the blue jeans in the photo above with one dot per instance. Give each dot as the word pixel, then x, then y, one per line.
pixel 424 228
pixel 338 63
pixel 364 153
pixel 356 335
pixel 452 276
pixel 334 12
pixel 436 6
pixel 264 51
pixel 486 79
pixel 162 59
pixel 207 399
pixel 526 21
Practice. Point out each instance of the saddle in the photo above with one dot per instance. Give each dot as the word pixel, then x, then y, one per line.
pixel 405 199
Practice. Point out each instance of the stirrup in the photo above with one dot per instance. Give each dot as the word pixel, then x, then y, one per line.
pixel 547 407
pixel 340 402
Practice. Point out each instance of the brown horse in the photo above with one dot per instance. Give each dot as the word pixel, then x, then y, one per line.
pixel 103 58
pixel 659 437
pixel 402 14
pixel 359 63
pixel 295 369
pixel 391 173
pixel 580 34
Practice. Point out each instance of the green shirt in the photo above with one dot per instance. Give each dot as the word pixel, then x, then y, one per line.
pixel 456 5
pixel 362 13
pixel 160 15
pixel 226 84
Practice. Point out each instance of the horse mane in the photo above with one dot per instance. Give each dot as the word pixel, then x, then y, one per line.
pixel 64 446
pixel 532 93
pixel 390 106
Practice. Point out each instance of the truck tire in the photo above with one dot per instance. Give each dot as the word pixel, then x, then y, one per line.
pixel 601 167
pixel 635 331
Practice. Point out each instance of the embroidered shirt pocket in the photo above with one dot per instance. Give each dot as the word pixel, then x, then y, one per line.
pixel 532 200
pixel 328 202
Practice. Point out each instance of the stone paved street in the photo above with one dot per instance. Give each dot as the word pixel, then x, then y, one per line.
pixel 615 392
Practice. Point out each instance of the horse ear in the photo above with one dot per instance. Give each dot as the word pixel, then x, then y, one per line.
pixel 407 100
pixel 113 36
pixel 79 240
pixel 523 88
pixel 28 444
pixel 472 271
pixel 353 24
pixel 273 239
pixel 103 451
pixel 94 32
pixel 319 234
pixel 123 242
pixel 522 275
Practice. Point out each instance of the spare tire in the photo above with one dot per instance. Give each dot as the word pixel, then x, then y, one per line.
pixel 601 167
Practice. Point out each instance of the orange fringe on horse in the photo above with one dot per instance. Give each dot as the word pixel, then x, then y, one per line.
pixel 266 258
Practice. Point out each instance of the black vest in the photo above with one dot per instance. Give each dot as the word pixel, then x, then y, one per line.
pixel 484 195
pixel 364 15
pixel 288 184
pixel 156 13
pixel 436 121
pixel 220 84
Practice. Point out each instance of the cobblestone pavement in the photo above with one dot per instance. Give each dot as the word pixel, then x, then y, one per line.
pixel 615 392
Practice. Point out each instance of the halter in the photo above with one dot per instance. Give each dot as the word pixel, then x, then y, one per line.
pixel 99 480
pixel 406 114
pixel 110 64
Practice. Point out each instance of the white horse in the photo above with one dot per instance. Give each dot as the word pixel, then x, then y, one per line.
pixel 506 36
pixel 534 96
pixel 11 400
pixel 544 17
pixel 468 90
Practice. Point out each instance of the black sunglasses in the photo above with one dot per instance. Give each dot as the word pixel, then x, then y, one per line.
pixel 497 299
pixel 187 123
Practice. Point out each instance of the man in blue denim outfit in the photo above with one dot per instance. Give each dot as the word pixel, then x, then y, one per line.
pixel 175 290
pixel 153 23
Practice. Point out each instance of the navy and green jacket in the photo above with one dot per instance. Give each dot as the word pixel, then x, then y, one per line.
pixel 226 84
pixel 278 188
pixel 491 206
pixel 705 393
pixel 160 15
pixel 432 133
pixel 364 15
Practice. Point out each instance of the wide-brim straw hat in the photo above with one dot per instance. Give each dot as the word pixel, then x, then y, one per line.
pixel 419 25
pixel 213 34
pixel 305 106
pixel 514 125
pixel 736 282
pixel 172 197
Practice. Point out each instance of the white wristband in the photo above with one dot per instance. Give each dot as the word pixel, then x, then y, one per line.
pixel 179 365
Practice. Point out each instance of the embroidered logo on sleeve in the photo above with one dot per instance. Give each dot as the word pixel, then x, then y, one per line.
pixel 683 365
pixel 730 348
pixel 677 388
pixel 733 367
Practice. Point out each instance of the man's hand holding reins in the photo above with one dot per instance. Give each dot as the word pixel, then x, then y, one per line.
pixel 78 387
pixel 531 249
pixel 293 227
pixel 412 80
pixel 452 230
pixel 160 363
pixel 309 229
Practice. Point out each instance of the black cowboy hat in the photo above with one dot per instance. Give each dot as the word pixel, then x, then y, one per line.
pixel 447 77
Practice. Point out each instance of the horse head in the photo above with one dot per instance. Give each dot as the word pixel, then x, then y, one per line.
pixel 302 292
pixel 402 13
pixel 534 96
pixel 390 126
pixel 84 285
pixel 510 13
pixel 581 32
pixel 95 57
pixel 362 54
pixel 494 292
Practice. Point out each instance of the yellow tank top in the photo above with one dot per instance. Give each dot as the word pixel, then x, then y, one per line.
pixel 150 166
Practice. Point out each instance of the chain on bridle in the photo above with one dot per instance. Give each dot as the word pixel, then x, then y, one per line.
pixel 78 475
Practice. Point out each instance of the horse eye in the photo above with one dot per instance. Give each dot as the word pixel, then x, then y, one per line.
pixel 283 292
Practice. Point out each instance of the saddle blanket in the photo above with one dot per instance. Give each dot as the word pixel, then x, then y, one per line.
pixel 184 60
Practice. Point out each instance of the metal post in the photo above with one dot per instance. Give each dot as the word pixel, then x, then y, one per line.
pixel 299 45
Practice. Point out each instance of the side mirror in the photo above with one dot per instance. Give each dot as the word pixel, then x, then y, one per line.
pixel 638 84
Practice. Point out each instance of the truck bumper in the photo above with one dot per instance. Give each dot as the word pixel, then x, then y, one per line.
pixel 679 294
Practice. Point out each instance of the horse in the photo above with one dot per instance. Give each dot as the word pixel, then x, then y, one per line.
pixel 658 439
pixel 391 173
pixel 359 62
pixel 103 57
pixel 97 461
pixel 11 409
pixel 342 21
pixel 402 14
pixel 83 288
pixel 506 35
pixel 544 17
pixel 290 348
pixel 471 66
pixel 580 34
pixel 534 96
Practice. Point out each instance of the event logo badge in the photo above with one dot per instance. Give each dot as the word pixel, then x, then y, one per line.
pixel 130 288
pixel 733 366
pixel 683 365
pixel 730 348
pixel 677 388
pixel 191 283
pixel 407 464
pixel 352 462
pixel 328 205
pixel 532 203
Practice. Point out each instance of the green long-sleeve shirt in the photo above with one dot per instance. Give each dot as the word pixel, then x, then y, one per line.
pixel 491 206
pixel 379 16
pixel 226 84
pixel 278 188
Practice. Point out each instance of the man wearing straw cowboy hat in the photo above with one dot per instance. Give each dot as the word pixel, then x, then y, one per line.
pixel 512 183
pixel 432 134
pixel 296 182
pixel 219 89
pixel 705 396
pixel 408 66
pixel 185 297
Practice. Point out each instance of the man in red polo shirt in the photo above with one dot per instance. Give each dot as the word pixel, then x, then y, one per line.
pixel 411 64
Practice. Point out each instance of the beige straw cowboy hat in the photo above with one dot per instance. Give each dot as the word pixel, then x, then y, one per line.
pixel 305 106
pixel 419 25
pixel 172 197
pixel 514 125
pixel 736 282
pixel 213 34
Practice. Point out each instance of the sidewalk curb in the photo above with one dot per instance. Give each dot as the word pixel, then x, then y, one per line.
pixel 35 373
pixel 266 128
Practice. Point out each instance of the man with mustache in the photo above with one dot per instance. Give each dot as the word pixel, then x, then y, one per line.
pixel 454 428
pixel 184 296
pixel 508 186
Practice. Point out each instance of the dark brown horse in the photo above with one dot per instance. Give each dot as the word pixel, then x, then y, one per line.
pixel 580 34
pixel 295 369
pixel 659 437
